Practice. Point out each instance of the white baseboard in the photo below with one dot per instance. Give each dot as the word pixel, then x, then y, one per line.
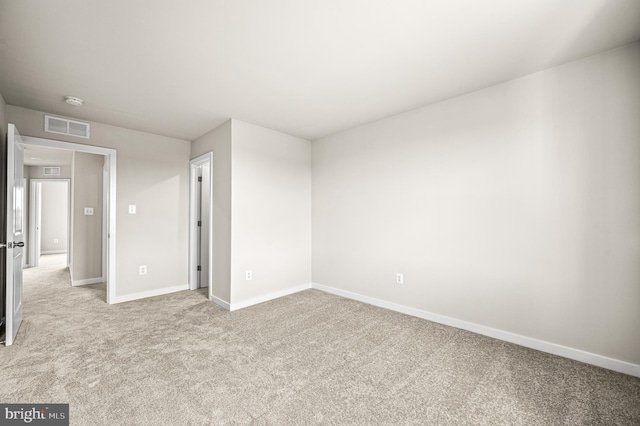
pixel 87 281
pixel 53 252
pixel 267 297
pixel 149 293
pixel 529 342
pixel 220 303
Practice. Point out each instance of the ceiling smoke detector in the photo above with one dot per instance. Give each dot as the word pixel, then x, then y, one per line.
pixel 72 100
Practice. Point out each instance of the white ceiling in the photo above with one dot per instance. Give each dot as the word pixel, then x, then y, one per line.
pixel 307 68
pixel 41 156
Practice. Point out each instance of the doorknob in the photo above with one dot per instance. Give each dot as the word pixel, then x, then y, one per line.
pixel 12 245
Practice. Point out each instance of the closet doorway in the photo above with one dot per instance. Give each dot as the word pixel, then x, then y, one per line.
pixel 200 223
pixel 49 218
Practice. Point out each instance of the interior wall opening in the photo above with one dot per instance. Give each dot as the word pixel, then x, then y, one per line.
pixel 48 209
pixel 200 252
pixel 90 172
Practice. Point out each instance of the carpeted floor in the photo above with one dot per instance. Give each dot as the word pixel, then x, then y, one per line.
pixel 307 358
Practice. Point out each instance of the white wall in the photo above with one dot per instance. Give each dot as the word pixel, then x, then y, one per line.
pixel 153 173
pixel 54 207
pixel 516 207
pixel 271 206
pixel 262 211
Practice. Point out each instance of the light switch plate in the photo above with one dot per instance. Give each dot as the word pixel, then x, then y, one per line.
pixel 88 211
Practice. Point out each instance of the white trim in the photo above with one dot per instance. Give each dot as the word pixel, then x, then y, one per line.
pixel 267 297
pixel 34 207
pixel 87 281
pixel 105 218
pixel 72 216
pixel 150 293
pixel 529 342
pixel 53 252
pixel 112 155
pixel 193 219
pixel 220 302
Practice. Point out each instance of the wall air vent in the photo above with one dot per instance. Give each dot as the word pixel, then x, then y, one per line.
pixel 51 171
pixel 64 126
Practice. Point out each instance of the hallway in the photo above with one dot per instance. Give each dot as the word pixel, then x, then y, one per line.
pixel 52 273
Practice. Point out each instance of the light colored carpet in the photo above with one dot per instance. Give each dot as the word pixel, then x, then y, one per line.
pixel 303 359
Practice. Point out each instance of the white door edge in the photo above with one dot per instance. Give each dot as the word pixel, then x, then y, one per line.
pixel 13 280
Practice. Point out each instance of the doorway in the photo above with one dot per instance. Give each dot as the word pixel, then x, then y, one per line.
pixel 107 226
pixel 49 218
pixel 200 221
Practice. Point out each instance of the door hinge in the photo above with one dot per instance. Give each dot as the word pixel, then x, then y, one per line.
pixel 199 178
pixel 199 223
pixel 199 268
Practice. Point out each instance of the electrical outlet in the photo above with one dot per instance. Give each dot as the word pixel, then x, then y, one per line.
pixel 143 270
pixel 399 278
pixel 248 275
pixel 56 241
pixel 88 211
pixel 132 209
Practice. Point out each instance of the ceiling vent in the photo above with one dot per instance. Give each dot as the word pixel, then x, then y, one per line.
pixel 51 171
pixel 66 127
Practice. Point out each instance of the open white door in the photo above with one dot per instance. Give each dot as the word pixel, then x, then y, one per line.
pixel 14 246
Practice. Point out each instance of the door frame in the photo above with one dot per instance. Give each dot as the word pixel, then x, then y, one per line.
pixel 111 155
pixel 193 221
pixel 35 211
pixel 105 221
